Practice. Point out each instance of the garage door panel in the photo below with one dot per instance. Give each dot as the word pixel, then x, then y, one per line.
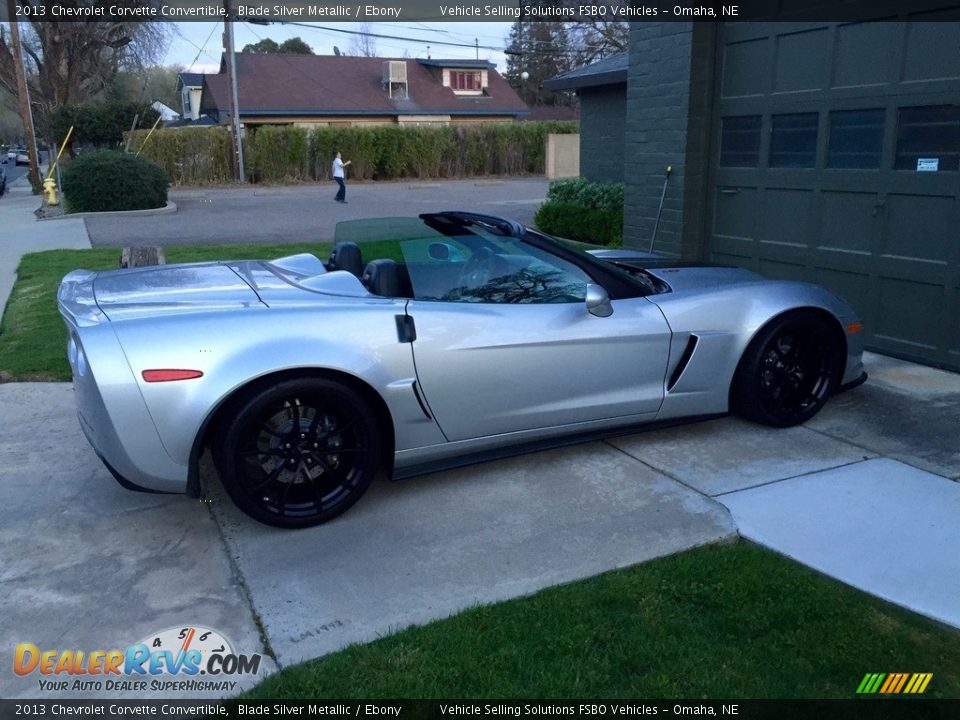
pixel 863 54
pixel 738 58
pixel 801 61
pixel 787 216
pixel 780 270
pixel 850 223
pixel 921 271
pixel 735 212
pixel 912 313
pixel 853 286
pixel 931 50
pixel 921 227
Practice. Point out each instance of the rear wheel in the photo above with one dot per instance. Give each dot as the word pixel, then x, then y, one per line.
pixel 789 370
pixel 299 453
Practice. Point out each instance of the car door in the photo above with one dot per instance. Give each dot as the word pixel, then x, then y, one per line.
pixel 503 352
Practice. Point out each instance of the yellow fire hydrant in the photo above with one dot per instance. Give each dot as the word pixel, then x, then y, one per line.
pixel 50 190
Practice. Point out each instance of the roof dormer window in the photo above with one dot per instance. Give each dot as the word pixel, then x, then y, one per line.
pixel 467 81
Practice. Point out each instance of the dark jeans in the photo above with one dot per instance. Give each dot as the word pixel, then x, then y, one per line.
pixel 342 192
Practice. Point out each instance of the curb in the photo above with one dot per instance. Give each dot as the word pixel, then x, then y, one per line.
pixel 170 207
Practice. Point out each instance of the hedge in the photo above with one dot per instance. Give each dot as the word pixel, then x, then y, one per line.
pixel 199 156
pixel 582 210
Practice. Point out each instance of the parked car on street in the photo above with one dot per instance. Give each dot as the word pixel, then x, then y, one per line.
pixel 425 343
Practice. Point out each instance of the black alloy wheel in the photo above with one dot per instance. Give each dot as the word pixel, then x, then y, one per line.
pixel 789 370
pixel 299 453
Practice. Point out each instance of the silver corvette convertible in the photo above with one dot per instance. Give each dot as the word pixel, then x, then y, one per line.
pixel 425 343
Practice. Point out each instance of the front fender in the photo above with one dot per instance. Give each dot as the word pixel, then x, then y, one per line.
pixel 724 320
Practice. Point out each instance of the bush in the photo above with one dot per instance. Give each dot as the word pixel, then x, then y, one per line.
pixel 599 226
pixel 112 180
pixel 580 191
pixel 582 210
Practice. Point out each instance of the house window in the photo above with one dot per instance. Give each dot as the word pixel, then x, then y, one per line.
pixel 465 80
pixel 856 139
pixel 793 140
pixel 740 141
pixel 931 133
pixel 186 101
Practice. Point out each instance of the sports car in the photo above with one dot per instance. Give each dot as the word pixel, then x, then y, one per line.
pixel 425 343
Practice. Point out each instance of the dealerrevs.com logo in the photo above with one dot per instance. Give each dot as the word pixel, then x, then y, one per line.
pixel 180 659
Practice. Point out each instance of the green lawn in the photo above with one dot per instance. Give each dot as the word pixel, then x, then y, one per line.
pixel 32 334
pixel 728 621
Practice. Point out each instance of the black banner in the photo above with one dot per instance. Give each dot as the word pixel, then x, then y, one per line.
pixel 320 11
pixel 854 709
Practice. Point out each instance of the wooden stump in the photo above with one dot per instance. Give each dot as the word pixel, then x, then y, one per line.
pixel 145 256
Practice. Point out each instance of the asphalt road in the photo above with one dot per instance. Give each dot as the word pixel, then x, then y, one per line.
pixel 308 213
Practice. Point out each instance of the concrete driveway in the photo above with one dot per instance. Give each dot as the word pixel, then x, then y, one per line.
pixel 88 565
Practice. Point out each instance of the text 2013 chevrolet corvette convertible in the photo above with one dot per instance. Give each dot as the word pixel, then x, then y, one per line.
pixel 426 343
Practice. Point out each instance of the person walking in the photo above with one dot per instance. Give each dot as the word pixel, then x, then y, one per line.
pixel 338 166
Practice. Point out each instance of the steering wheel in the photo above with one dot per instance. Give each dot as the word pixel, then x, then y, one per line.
pixel 476 270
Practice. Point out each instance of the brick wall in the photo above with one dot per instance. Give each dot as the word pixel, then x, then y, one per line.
pixel 603 112
pixel 669 95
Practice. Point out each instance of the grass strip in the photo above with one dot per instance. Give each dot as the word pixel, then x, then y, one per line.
pixel 724 621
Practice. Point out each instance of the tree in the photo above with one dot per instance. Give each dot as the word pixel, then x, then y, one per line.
pixel 100 124
pixel 293 46
pixel 596 39
pixel 144 85
pixel 542 50
pixel 363 45
pixel 73 62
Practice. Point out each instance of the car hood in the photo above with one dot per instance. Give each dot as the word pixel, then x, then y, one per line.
pixel 166 289
pixel 694 277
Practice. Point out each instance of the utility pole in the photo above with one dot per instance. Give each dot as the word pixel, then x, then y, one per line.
pixel 26 111
pixel 234 99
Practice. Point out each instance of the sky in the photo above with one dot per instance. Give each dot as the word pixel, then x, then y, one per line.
pixel 197 45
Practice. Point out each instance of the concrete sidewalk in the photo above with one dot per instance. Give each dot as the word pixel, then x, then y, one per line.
pixel 22 233
pixel 866 492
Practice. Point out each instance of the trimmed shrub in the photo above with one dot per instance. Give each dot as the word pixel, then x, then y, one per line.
pixel 189 156
pixel 112 180
pixel 583 192
pixel 582 210
pixel 599 226
pixel 278 153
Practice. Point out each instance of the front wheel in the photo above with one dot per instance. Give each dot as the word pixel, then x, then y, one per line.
pixel 789 370
pixel 299 453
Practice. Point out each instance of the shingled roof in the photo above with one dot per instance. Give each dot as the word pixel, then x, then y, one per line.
pixel 311 85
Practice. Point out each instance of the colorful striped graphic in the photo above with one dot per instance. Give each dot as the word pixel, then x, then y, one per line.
pixel 894 683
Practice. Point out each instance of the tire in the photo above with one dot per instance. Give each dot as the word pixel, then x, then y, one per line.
pixel 789 370
pixel 298 453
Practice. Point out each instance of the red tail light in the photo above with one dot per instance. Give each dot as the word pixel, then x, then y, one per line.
pixel 152 376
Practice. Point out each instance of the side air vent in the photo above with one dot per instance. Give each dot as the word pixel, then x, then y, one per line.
pixel 684 361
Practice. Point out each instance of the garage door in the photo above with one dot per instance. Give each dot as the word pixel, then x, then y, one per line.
pixel 836 158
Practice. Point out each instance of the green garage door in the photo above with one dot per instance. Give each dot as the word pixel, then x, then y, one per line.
pixel 836 159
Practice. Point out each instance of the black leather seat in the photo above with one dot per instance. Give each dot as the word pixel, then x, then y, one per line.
pixel 346 256
pixel 387 278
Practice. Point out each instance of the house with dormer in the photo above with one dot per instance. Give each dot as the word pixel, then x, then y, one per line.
pixel 322 90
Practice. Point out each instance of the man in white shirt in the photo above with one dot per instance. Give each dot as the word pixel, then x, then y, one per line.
pixel 338 166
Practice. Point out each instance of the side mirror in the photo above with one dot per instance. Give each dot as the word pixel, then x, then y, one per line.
pixel 598 302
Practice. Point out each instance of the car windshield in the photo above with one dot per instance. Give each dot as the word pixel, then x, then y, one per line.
pixel 462 257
